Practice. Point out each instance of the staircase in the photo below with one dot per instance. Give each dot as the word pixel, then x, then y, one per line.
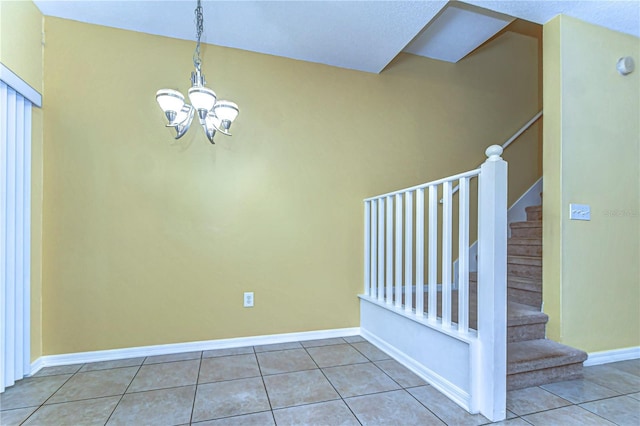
pixel 532 360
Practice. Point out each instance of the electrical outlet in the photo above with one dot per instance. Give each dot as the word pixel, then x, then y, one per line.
pixel 248 299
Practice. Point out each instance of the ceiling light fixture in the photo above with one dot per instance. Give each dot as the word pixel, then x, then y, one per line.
pixel 214 115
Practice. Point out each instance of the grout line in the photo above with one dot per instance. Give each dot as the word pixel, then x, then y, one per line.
pixel 334 388
pixel 264 385
pixel 195 392
pixel 125 391
pixel 47 399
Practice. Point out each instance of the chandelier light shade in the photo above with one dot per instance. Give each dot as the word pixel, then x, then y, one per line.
pixel 214 115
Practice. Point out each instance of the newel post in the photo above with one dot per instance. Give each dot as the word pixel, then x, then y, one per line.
pixel 491 378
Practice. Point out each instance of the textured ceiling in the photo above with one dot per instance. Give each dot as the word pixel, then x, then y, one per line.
pixel 360 35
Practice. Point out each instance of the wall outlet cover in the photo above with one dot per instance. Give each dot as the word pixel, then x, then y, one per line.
pixel 248 299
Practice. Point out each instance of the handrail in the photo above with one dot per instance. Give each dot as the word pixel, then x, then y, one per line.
pixel 509 141
pixel 522 130
pixel 470 173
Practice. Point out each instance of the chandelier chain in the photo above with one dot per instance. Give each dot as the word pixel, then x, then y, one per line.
pixel 199 29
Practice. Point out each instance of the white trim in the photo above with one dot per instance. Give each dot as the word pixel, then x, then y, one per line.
pixel 531 197
pixel 451 391
pixel 20 86
pixel 173 348
pixel 615 355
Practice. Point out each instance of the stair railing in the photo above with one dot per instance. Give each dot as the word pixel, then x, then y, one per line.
pixel 513 138
pixel 391 279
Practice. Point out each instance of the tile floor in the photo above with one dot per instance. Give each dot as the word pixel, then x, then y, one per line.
pixel 343 381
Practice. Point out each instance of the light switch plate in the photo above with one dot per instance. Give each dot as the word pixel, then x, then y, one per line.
pixel 579 212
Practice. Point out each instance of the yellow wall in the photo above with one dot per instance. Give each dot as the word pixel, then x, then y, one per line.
pixel 591 156
pixel 21 40
pixel 150 241
pixel 21 25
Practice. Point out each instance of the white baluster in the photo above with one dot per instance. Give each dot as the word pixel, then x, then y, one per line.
pixel 389 251
pixel 380 248
pixel 398 283
pixel 367 247
pixel 420 252
pixel 433 252
pixel 408 251
pixel 463 257
pixel 374 244
pixel 446 253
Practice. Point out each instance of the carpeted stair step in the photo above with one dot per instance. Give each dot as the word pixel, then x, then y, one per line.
pixel 524 290
pixel 524 297
pixel 525 284
pixel 524 267
pixel 531 229
pixel 518 283
pixel 525 323
pixel 524 247
pixel 534 212
pixel 537 362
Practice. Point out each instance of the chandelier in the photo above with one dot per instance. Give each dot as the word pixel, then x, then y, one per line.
pixel 214 115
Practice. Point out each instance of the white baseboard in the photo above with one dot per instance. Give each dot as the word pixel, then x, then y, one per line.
pixel 447 388
pixel 143 351
pixel 605 357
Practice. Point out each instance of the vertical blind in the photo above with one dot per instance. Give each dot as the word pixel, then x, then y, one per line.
pixel 15 226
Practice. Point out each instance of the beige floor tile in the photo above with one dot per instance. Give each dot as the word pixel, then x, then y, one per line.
pixel 61 369
pixel 359 379
pixel 278 347
pixel 184 356
pixel 532 400
pixel 15 417
pixel 334 355
pixel 166 375
pixel 285 361
pixel 401 374
pixel 158 407
pixel 87 412
pixel 302 387
pixel 334 413
pixel 323 342
pixel 613 378
pixel 230 398
pixel 354 339
pixel 631 366
pixel 257 419
pixel 226 352
pixel 511 422
pixel 95 384
pixel 31 392
pixel 228 368
pixel 567 416
pixel 447 410
pixel 391 408
pixel 119 363
pixel 579 391
pixel 621 410
pixel 370 351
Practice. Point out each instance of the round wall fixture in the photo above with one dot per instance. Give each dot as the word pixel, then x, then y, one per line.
pixel 625 65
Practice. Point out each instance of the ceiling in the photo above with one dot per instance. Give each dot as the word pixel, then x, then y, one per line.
pixel 359 35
